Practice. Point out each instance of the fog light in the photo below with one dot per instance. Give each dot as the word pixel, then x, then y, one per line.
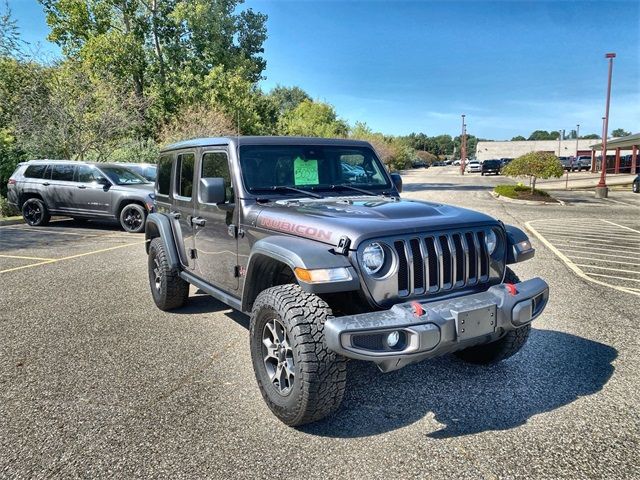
pixel 393 338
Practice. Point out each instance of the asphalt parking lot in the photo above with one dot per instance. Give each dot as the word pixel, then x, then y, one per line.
pixel 95 381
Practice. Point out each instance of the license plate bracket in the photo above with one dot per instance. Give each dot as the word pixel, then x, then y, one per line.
pixel 475 322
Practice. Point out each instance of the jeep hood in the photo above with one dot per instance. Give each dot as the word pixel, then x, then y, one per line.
pixel 358 218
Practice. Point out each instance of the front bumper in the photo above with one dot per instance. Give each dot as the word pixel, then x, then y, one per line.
pixel 426 330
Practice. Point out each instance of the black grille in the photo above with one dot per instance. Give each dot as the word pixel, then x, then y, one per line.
pixel 403 270
pixel 445 261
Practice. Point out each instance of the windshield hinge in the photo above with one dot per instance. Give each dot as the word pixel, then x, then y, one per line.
pixel 343 246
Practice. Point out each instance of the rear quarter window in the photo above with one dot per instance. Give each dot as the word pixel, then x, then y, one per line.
pixel 35 171
pixel 164 175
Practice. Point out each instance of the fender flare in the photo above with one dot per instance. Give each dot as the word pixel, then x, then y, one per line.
pixel 296 253
pixel 159 226
pixel 516 250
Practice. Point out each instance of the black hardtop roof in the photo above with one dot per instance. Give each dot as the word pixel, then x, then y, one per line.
pixel 250 140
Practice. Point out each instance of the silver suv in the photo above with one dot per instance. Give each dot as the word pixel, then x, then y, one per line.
pixel 84 191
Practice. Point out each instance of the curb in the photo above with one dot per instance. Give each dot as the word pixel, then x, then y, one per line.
pixel 14 221
pixel 525 202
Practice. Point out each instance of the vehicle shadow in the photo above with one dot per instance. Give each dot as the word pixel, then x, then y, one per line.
pixel 553 370
pixel 203 303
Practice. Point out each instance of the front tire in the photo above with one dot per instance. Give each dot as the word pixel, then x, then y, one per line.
pixel 133 218
pixel 35 212
pixel 502 348
pixel 168 289
pixel 300 379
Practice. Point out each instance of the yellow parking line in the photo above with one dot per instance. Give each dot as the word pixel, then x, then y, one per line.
pixel 72 256
pixel 42 230
pixel 26 258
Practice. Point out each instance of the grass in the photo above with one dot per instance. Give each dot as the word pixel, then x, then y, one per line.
pixel 521 192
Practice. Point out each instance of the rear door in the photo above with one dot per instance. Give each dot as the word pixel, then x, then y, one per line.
pixel 215 226
pixel 62 187
pixel 182 208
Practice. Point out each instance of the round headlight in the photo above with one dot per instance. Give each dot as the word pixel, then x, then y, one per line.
pixel 373 258
pixel 491 241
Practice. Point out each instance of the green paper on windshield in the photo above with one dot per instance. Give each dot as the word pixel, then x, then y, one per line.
pixel 305 172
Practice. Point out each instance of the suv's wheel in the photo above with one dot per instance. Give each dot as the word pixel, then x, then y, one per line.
pixel 501 349
pixel 636 187
pixel 133 217
pixel 168 289
pixel 35 212
pixel 300 379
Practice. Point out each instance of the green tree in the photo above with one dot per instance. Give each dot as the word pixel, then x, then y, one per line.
pixel 518 138
pixel 534 165
pixel 10 42
pixel 591 136
pixel 287 98
pixel 544 135
pixel 313 119
pixel 620 132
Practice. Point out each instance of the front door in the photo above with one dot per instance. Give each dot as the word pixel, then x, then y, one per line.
pixel 91 197
pixel 215 231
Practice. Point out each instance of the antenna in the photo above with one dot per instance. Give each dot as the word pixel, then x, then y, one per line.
pixel 238 136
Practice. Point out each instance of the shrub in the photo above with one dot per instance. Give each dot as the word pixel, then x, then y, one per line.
pixel 512 191
pixel 534 165
pixel 6 210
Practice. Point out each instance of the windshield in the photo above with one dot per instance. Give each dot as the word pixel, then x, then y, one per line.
pixel 492 163
pixel 122 176
pixel 310 167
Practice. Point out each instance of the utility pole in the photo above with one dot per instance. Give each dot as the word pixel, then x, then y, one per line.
pixel 602 191
pixel 463 151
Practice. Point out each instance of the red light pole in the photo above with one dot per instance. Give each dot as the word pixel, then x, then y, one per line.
pixel 463 152
pixel 601 189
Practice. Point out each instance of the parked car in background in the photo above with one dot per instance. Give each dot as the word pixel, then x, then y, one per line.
pixel 474 167
pixel 636 185
pixel 146 170
pixel 81 190
pixel 491 166
pixel 505 161
pixel 567 163
pixel 584 162
pixel 419 164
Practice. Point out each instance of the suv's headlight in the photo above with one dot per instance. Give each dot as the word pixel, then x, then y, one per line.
pixel 491 241
pixel 373 258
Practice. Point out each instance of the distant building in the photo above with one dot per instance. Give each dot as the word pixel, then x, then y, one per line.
pixel 563 148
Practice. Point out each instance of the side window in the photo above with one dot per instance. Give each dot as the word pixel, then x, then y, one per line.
pixel 184 175
pixel 216 165
pixel 35 171
pixel 63 172
pixel 164 175
pixel 87 174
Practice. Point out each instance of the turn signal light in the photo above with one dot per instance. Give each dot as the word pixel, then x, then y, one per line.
pixel 322 275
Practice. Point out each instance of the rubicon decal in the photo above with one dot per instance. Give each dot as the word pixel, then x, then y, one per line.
pixel 295 228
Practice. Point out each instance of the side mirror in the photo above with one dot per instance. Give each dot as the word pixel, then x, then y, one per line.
pixel 397 181
pixel 103 181
pixel 212 190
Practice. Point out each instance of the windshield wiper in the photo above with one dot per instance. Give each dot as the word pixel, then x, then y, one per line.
pixel 279 188
pixel 355 189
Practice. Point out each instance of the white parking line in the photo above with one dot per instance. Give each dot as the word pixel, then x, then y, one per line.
pixel 575 268
pixel 598 236
pixel 619 278
pixel 606 268
pixel 604 260
pixel 589 247
pixel 581 250
pixel 621 226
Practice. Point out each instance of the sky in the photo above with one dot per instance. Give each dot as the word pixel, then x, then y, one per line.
pixel 511 66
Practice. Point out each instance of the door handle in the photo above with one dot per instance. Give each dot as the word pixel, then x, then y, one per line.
pixel 175 215
pixel 46 184
pixel 198 221
pixel 82 186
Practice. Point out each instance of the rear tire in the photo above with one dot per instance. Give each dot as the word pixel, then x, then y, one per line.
pixel 35 212
pixel 502 348
pixel 168 289
pixel 300 379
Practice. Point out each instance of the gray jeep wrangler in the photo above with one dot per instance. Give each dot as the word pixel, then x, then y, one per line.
pixel 311 239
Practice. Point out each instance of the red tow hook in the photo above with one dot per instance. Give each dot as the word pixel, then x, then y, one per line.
pixel 418 311
pixel 511 288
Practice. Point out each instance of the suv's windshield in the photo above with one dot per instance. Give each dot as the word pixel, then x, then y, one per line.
pixel 123 176
pixel 310 167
